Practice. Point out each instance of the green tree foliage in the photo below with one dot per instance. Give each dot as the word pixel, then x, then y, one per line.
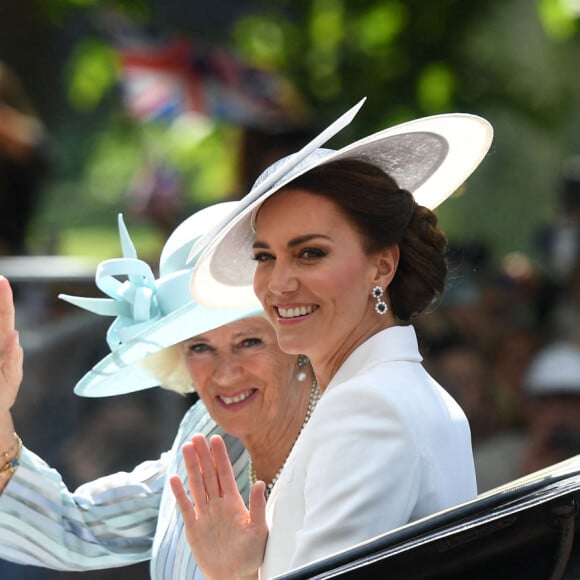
pixel 512 61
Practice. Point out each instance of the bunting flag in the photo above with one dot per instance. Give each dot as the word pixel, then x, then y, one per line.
pixel 156 82
pixel 165 78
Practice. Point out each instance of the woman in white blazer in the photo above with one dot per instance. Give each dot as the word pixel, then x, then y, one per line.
pixel 346 253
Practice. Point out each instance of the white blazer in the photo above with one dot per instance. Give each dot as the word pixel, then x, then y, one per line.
pixel 386 445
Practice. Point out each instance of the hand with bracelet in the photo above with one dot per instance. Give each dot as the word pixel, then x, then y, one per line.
pixel 11 356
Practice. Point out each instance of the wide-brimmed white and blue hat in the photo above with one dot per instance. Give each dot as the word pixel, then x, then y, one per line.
pixel 150 313
pixel 430 157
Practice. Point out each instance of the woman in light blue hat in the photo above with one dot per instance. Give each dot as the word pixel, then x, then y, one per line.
pixel 260 396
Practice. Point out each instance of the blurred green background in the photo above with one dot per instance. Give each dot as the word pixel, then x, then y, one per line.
pixel 516 62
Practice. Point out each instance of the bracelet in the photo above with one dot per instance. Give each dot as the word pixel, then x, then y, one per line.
pixel 12 464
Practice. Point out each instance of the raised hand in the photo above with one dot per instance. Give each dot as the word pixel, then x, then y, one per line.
pixel 226 538
pixel 11 357
pixel 11 354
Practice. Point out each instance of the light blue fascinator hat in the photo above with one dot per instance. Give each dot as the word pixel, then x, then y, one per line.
pixel 430 157
pixel 150 314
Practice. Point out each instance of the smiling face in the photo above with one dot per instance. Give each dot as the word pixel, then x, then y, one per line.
pixel 314 278
pixel 246 382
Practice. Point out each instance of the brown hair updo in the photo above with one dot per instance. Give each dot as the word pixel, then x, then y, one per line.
pixel 386 215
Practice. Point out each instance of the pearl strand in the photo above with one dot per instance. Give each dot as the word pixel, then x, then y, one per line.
pixel 314 397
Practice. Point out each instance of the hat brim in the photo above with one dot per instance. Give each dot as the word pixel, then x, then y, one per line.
pixel 431 157
pixel 123 371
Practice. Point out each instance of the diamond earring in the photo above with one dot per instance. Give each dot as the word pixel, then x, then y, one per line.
pixel 381 307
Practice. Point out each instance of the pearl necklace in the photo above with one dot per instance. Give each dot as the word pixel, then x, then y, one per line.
pixel 314 397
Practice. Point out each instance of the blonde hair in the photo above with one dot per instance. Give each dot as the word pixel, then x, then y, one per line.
pixel 168 367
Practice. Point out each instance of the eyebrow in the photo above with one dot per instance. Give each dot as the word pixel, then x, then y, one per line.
pixel 245 333
pixel 297 241
pixel 241 334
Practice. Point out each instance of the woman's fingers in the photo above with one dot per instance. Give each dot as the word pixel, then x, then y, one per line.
pixel 257 505
pixel 207 467
pixel 183 502
pixel 223 466
pixel 11 360
pixel 6 307
pixel 195 476
pixel 11 354
pixel 209 470
pixel 186 507
pixel 204 481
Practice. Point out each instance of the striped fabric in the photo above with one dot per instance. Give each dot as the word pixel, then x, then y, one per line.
pixel 113 521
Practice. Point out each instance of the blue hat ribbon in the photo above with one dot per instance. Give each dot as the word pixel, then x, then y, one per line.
pixel 134 301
